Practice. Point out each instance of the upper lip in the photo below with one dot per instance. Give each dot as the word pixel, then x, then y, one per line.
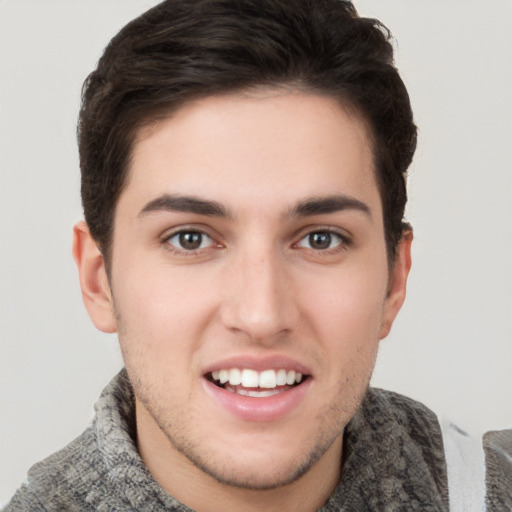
pixel 276 362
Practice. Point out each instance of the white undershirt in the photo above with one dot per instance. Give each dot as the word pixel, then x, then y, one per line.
pixel 465 460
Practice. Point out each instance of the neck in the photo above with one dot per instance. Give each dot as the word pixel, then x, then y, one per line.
pixel 177 475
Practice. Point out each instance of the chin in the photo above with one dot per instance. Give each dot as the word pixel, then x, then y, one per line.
pixel 257 461
pixel 259 472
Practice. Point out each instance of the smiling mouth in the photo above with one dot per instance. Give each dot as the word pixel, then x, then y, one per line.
pixel 248 382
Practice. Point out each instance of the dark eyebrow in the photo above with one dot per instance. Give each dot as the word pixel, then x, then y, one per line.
pixel 329 204
pixel 187 204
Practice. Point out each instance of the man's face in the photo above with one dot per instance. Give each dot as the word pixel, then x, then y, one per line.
pixel 249 244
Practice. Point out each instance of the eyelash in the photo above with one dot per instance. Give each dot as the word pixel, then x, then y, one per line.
pixel 344 241
pixel 184 231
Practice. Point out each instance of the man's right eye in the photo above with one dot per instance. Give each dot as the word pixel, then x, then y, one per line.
pixel 190 240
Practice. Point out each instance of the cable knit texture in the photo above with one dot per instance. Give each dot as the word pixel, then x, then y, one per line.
pixel 393 461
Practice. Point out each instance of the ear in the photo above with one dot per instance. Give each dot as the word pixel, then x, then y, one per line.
pixel 397 283
pixel 94 283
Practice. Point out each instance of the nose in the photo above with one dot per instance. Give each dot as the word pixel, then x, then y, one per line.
pixel 260 302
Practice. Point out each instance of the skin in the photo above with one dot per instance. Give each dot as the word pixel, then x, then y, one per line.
pixel 257 287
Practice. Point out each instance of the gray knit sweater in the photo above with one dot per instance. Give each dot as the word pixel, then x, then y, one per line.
pixel 394 461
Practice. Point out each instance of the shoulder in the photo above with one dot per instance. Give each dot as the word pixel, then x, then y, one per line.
pixel 92 471
pixel 24 499
pixel 63 480
pixel 498 457
pixel 478 467
pixel 473 469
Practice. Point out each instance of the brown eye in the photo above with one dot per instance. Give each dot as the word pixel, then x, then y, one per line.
pixel 321 240
pixel 190 240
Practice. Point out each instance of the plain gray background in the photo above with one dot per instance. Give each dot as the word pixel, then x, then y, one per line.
pixel 452 344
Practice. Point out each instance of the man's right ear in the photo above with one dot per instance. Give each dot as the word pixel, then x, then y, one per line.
pixel 96 292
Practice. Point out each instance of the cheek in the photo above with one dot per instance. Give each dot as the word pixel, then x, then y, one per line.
pixel 160 310
pixel 346 308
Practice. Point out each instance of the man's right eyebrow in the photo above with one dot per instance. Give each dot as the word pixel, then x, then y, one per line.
pixel 185 204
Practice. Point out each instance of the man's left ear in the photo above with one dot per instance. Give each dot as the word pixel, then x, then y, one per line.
pixel 397 283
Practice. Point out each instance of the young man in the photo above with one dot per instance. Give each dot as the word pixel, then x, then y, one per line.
pixel 243 182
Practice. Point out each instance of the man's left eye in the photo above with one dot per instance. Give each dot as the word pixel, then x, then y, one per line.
pixel 321 240
pixel 190 241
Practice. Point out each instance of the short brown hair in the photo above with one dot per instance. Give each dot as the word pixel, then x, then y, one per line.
pixel 181 50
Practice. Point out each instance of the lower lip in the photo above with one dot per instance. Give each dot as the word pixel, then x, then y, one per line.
pixel 260 409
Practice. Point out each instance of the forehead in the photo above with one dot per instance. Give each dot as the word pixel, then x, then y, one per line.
pixel 256 148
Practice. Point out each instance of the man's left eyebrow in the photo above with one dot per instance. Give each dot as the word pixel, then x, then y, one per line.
pixel 186 204
pixel 330 204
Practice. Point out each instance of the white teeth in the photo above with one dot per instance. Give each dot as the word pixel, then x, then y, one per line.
pixel 281 378
pixel 267 379
pixel 249 378
pixel 254 394
pixel 258 394
pixel 223 376
pixel 235 377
